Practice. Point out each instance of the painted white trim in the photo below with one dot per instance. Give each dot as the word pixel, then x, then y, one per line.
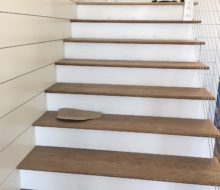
pixel 58 181
pixel 130 76
pixel 128 105
pixel 125 141
pixel 144 52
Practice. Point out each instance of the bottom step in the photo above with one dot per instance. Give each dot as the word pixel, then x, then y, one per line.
pixel 93 169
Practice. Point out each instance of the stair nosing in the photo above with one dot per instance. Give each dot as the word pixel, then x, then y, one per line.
pixel 134 41
pixel 137 21
pixel 133 3
pixel 129 91
pixel 135 124
pixel 129 3
pixel 133 64
pixel 177 169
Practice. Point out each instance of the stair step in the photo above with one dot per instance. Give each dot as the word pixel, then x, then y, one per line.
pixel 202 171
pixel 132 91
pixel 137 21
pixel 139 124
pixel 133 64
pixel 134 41
pixel 128 3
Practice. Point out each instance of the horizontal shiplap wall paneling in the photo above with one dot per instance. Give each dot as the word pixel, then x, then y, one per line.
pixel 20 119
pixel 19 29
pixel 17 139
pixel 30 43
pixel 48 8
pixel 15 152
pixel 12 182
pixel 15 92
pixel 19 60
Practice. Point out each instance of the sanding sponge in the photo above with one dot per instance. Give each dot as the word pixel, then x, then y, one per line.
pixel 77 115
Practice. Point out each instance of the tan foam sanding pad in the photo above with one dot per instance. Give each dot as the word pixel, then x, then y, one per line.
pixel 77 115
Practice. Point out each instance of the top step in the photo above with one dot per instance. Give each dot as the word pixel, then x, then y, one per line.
pixel 138 21
pixel 131 3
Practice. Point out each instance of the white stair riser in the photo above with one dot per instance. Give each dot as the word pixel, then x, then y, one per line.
pixel 132 31
pixel 112 51
pixel 130 12
pixel 58 181
pixel 129 76
pixel 125 141
pixel 128 105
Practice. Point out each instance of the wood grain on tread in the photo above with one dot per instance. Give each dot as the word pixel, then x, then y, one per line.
pixel 134 41
pixel 131 3
pixel 139 124
pixel 138 21
pixel 133 64
pixel 203 171
pixel 132 91
pixel 128 3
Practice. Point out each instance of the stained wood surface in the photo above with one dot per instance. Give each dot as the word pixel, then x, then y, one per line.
pixel 203 171
pixel 134 41
pixel 127 3
pixel 138 21
pixel 131 3
pixel 139 124
pixel 132 91
pixel 133 64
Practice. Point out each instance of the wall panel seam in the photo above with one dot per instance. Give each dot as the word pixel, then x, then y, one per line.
pixel 60 18
pixel 31 43
pixel 2 183
pixel 21 104
pixel 15 139
pixel 14 78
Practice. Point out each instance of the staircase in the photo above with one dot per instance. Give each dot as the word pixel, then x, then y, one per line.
pixel 136 63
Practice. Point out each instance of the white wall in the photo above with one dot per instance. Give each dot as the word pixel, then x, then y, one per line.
pixel 30 42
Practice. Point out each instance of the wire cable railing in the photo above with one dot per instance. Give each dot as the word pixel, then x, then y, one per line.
pixel 208 11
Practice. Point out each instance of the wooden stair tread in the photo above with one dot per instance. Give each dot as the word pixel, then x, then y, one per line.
pixel 132 91
pixel 134 64
pixel 203 171
pixel 131 3
pixel 134 41
pixel 138 21
pixel 128 3
pixel 139 124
